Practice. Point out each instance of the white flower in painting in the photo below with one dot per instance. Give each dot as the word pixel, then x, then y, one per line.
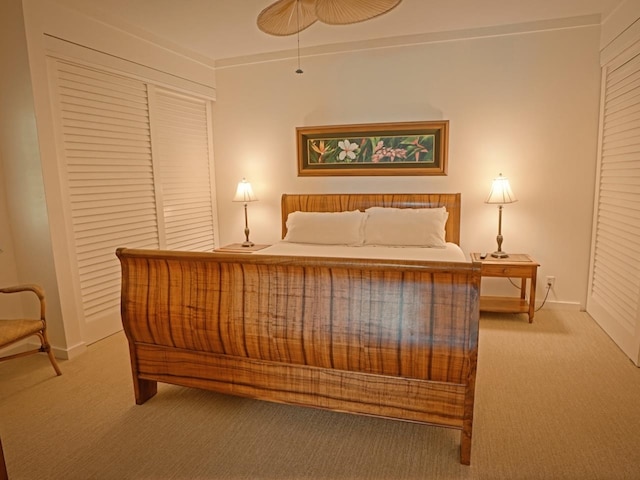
pixel 348 150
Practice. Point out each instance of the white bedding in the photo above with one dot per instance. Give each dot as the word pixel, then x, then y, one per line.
pixel 450 253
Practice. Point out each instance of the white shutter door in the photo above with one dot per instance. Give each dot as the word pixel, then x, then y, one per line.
pixel 104 124
pixel 614 289
pixel 182 151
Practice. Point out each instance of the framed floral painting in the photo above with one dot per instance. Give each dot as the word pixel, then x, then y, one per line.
pixel 409 148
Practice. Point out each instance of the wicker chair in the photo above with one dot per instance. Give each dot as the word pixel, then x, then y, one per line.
pixel 14 330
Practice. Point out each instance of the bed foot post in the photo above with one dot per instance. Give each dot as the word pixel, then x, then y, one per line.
pixel 465 448
pixel 144 389
pixel 467 421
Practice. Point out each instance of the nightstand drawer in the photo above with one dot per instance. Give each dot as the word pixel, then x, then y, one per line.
pixel 506 270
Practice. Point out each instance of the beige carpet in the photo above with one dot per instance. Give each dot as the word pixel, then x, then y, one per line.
pixel 554 400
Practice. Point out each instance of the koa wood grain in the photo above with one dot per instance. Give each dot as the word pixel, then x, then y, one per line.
pixel 385 338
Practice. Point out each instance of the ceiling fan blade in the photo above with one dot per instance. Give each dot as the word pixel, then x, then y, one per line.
pixel 342 12
pixel 281 18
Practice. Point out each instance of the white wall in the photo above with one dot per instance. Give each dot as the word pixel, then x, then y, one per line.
pixel 620 29
pixel 525 105
pixel 23 216
pixel 8 272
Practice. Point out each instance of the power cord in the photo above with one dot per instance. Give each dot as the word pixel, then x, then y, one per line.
pixel 546 295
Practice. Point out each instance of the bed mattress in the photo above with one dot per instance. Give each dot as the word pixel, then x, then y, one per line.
pixel 450 253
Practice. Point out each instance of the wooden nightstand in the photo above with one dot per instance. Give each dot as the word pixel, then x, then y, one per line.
pixel 238 248
pixel 516 265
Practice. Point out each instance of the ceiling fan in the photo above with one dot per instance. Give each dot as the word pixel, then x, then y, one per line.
pixel 286 17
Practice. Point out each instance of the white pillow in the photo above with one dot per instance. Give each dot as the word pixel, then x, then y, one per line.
pixel 422 227
pixel 326 228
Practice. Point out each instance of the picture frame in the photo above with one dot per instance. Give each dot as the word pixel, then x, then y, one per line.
pixel 405 148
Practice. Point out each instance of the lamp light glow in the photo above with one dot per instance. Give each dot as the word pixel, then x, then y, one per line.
pixel 500 194
pixel 244 193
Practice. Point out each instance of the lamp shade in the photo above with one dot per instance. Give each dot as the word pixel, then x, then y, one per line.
pixel 244 192
pixel 501 192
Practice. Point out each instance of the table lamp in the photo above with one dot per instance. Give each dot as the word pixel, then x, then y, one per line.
pixel 500 195
pixel 244 193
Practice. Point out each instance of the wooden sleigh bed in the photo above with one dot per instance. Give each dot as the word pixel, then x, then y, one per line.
pixel 389 338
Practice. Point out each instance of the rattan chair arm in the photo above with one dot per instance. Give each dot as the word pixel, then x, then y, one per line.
pixel 23 288
pixel 29 287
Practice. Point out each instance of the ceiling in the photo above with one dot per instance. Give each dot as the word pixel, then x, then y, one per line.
pixel 222 29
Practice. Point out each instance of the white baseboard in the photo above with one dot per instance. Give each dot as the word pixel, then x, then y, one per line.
pixel 62 353
pixel 71 352
pixel 575 306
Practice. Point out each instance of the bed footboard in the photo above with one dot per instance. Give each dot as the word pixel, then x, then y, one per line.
pixel 384 338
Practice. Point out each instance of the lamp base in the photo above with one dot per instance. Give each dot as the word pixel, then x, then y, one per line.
pixel 248 244
pixel 499 254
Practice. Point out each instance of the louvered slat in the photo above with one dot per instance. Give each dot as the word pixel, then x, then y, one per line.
pixel 615 282
pixel 181 148
pixel 107 145
pixel 119 176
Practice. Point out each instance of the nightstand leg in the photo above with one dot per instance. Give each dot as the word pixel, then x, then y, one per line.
pixel 532 295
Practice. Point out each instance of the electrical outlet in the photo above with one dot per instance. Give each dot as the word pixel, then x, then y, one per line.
pixel 551 280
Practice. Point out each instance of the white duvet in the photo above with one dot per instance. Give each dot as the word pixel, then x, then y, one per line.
pixel 450 253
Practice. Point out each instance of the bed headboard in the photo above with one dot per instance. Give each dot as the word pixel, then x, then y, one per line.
pixel 340 202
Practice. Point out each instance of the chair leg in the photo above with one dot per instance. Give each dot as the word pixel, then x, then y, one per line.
pixel 46 347
pixel 53 361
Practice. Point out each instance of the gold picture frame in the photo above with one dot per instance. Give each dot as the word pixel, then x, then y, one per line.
pixel 406 148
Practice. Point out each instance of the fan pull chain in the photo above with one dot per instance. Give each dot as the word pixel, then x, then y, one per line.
pixel 299 70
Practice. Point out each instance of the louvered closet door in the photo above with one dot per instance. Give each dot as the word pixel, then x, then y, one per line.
pixel 182 152
pixel 138 167
pixel 104 126
pixel 614 290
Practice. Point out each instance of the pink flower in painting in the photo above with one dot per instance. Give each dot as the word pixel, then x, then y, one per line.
pixel 377 152
pixel 381 152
